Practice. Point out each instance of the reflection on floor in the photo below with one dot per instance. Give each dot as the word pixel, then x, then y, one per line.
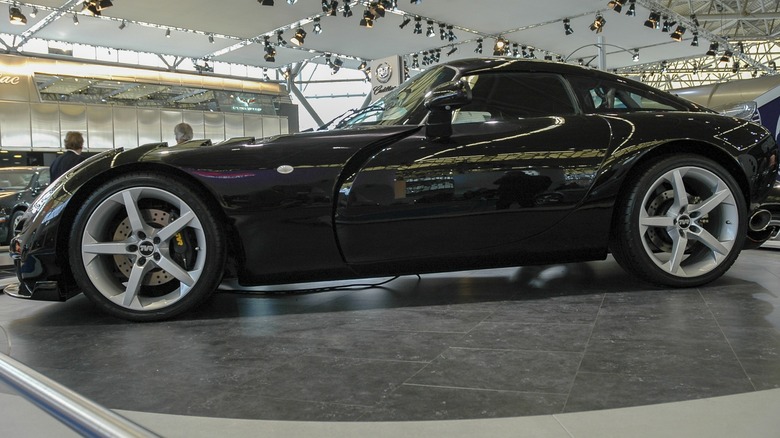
pixel 477 344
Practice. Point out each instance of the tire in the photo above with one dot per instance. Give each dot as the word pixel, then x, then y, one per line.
pixel 15 218
pixel 144 247
pixel 681 223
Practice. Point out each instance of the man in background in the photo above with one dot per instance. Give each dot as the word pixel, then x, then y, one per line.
pixel 74 143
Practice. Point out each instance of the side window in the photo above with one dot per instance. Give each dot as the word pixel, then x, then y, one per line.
pixel 602 96
pixel 504 96
pixel 44 179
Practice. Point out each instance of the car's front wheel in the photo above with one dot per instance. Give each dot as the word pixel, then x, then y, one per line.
pixel 145 247
pixel 682 222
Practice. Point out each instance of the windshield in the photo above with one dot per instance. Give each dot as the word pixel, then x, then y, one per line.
pixel 15 179
pixel 402 106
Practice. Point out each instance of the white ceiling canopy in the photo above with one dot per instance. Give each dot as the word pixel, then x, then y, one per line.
pixel 233 31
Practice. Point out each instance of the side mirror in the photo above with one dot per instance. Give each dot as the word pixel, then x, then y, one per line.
pixel 442 100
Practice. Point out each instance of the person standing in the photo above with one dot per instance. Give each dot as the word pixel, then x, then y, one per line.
pixel 183 132
pixel 74 143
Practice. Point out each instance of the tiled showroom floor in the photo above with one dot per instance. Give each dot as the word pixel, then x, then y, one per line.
pixel 468 345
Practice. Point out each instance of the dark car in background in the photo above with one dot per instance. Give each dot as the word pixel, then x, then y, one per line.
pixel 471 164
pixel 18 188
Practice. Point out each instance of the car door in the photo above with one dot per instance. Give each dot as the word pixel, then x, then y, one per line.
pixel 520 158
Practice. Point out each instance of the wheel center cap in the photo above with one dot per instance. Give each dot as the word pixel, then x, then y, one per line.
pixel 684 222
pixel 146 248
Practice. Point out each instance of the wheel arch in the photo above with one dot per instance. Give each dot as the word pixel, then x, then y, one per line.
pixel 234 251
pixel 700 148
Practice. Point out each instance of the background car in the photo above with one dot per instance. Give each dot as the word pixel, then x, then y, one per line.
pixel 18 187
pixel 472 164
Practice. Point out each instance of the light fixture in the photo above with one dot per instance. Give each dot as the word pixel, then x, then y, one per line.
pixel 75 20
pixel 479 46
pixel 270 52
pixel 16 17
pixel 280 38
pixel 368 19
pixel 695 40
pixel 336 66
pixel 713 50
pixel 167 33
pixel 317 26
pixel 122 25
pixel 211 39
pixel 415 61
pixel 598 24
pixel 773 65
pixel 664 66
pixel 418 25
pixel 92 7
pixel 416 2
pixel 635 56
pixel 265 75
pixel 377 9
pixel 407 20
pixel 667 25
pixel 678 33
pixel 325 6
pixel 616 5
pixel 365 69
pixel 292 2
pixel 567 29
pixel 442 31
pixel 735 67
pixel 266 2
pixel 452 50
pixel 34 12
pixel 726 56
pixel 430 33
pixel 695 20
pixel 499 49
pixel 653 20
pixel 515 50
pixel 347 9
pixel 631 11
pixel 334 8
pixel 299 37
pixel 451 37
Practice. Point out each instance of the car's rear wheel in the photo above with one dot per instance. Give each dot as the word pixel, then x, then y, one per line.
pixel 681 223
pixel 145 247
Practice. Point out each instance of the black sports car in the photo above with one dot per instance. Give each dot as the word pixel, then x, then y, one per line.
pixel 471 164
pixel 18 188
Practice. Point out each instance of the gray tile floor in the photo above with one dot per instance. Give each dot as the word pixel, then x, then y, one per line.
pixel 467 345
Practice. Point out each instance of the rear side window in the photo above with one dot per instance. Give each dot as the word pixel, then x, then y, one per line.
pixel 503 96
pixel 605 96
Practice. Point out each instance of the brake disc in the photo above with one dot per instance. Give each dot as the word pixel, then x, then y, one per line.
pixel 157 219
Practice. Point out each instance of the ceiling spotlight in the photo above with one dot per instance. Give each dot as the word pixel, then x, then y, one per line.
pixel 773 65
pixel 325 6
pixel 499 49
pixel 678 33
pixel 16 17
pixel 211 39
pixel 664 66
pixel 598 24
pixel 635 56
pixel 266 2
pixel 667 25
pixel 418 25
pixel 299 36
pixel 452 50
pixel 415 2
pixel 726 56
pixel 415 61
pixel 336 66
pixel 102 4
pixel 122 25
pixel 567 29
pixel 695 20
pixel 292 2
pixel 631 11
pixel 479 46
pixel 430 33
pixel 34 12
pixel 407 20
pixel 347 9
pixel 451 37
pixel 377 9
pixel 616 5
pixel 334 8
pixel 695 40
pixel 653 20
pixel 92 7
pixel 735 67
pixel 270 52
pixel 280 38
pixel 167 33
pixel 713 50
pixel 368 19
pixel 442 31
pixel 317 26
pixel 75 20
